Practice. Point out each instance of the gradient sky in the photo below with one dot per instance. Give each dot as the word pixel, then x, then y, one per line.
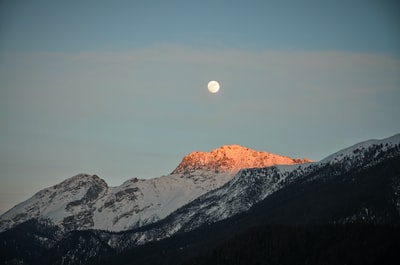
pixel 118 88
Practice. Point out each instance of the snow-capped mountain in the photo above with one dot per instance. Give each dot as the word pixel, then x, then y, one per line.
pixel 357 184
pixel 253 185
pixel 87 202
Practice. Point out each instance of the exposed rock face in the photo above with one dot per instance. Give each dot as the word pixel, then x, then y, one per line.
pixel 232 158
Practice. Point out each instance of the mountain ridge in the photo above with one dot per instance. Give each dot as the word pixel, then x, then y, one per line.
pixel 87 202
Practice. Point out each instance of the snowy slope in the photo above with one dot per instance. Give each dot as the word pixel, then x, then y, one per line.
pixel 86 201
pixel 353 152
pixel 138 201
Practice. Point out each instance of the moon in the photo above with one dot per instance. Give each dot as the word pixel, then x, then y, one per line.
pixel 213 86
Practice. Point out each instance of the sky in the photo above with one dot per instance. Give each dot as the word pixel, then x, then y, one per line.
pixel 119 88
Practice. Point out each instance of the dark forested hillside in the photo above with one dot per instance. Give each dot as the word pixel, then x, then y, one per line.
pixel 310 244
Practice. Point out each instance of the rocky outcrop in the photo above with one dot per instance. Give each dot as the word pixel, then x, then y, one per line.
pixel 232 158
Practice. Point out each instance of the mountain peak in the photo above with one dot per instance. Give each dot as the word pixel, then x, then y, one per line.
pixel 232 158
pixel 82 180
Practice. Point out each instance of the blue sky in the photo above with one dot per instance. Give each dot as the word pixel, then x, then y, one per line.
pixel 363 25
pixel 118 88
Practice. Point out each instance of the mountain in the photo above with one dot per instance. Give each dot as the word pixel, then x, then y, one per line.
pixel 352 196
pixel 330 206
pixel 87 202
pixel 251 186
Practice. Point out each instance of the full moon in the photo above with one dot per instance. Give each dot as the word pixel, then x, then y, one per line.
pixel 213 86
